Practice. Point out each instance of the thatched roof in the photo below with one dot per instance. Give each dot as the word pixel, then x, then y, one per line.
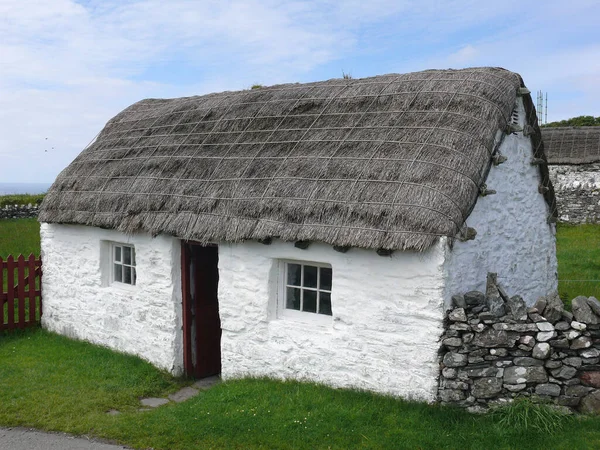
pixel 572 145
pixel 392 161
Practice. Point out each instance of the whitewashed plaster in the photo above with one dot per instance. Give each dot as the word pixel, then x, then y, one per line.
pixel 383 335
pixel 79 301
pixel 513 238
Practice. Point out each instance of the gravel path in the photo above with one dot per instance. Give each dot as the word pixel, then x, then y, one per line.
pixel 29 439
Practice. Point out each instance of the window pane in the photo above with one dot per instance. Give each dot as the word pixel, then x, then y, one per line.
pixel 134 274
pixel 132 256
pixel 325 278
pixel 310 301
pixel 118 272
pixel 127 255
pixel 293 274
pixel 117 254
pixel 127 274
pixel 310 276
pixel 292 299
pixel 325 303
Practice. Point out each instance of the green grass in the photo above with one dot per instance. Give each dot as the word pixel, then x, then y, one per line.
pixel 578 253
pixel 21 199
pixel 19 236
pixel 53 383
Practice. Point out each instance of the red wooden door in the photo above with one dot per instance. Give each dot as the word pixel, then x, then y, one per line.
pixel 202 325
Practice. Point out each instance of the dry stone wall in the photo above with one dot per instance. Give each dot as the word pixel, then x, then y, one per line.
pixel 494 349
pixel 577 190
pixel 18 211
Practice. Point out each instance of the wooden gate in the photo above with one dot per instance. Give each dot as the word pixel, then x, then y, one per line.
pixel 20 292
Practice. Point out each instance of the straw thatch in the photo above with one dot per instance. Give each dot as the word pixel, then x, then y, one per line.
pixel 391 162
pixel 572 145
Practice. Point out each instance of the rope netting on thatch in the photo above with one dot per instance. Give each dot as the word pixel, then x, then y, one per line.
pixel 572 145
pixel 392 161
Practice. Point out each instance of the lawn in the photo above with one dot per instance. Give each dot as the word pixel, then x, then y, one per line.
pixel 50 382
pixel 578 253
pixel 53 383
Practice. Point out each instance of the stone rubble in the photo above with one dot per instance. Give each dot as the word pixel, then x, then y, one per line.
pixel 494 349
pixel 18 211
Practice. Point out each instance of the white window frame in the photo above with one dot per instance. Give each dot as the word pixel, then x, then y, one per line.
pixel 303 316
pixel 112 261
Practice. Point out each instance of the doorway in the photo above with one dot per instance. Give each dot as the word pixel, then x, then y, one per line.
pixel 201 322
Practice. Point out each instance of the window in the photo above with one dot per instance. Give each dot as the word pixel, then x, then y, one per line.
pixel 307 288
pixel 123 264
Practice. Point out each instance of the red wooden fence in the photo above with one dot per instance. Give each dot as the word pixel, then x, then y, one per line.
pixel 20 292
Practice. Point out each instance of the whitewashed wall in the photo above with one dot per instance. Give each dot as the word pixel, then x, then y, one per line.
pixel 513 238
pixel 79 302
pixel 383 336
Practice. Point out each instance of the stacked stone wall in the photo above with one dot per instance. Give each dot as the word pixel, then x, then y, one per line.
pixel 19 211
pixel 495 349
pixel 577 189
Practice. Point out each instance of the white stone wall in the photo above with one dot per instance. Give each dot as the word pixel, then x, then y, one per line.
pixel 513 238
pixel 577 189
pixel 383 336
pixel 79 301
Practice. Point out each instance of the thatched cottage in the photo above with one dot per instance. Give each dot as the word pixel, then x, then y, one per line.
pixel 312 231
pixel 574 161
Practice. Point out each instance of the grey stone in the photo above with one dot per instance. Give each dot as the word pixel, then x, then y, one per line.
pixel 504 363
pixel 496 305
pixel 477 309
pixel 578 325
pixel 487 387
pixel 590 404
pixel 479 328
pixel 526 361
pixel 590 361
pixel 535 317
pixel 518 327
pixel 582 310
pixel 520 375
pixel 206 383
pixel 476 359
pixel 552 390
pixel 452 395
pixel 514 387
pixel 571 382
pixel 565 400
pixel 564 372
pixel 449 372
pixel 554 308
pixel 516 306
pixel 183 394
pixel 525 348
pixel 484 372
pixel 544 336
pixel 154 402
pixel 561 326
pixel 486 316
pixel 572 334
pixel 573 361
pixel 581 342
pixel 540 304
pixel 460 327
pixel 544 326
pixel 494 338
pixel 457 315
pixel 567 315
pixel 451 333
pixel 559 343
pixel 553 364
pixel 578 390
pixel 468 338
pixel 527 340
pixel 590 353
pixel 594 305
pixel 452 342
pixel 453 359
pixel 541 350
pixel 498 351
pixel 450 384
pixel 459 301
pixel 473 298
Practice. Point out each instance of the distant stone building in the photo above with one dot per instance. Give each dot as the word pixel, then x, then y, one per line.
pixel 574 163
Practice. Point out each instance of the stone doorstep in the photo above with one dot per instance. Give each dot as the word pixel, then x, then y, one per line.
pixel 181 395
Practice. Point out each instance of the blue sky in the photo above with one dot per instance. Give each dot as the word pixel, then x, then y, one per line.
pixel 67 67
